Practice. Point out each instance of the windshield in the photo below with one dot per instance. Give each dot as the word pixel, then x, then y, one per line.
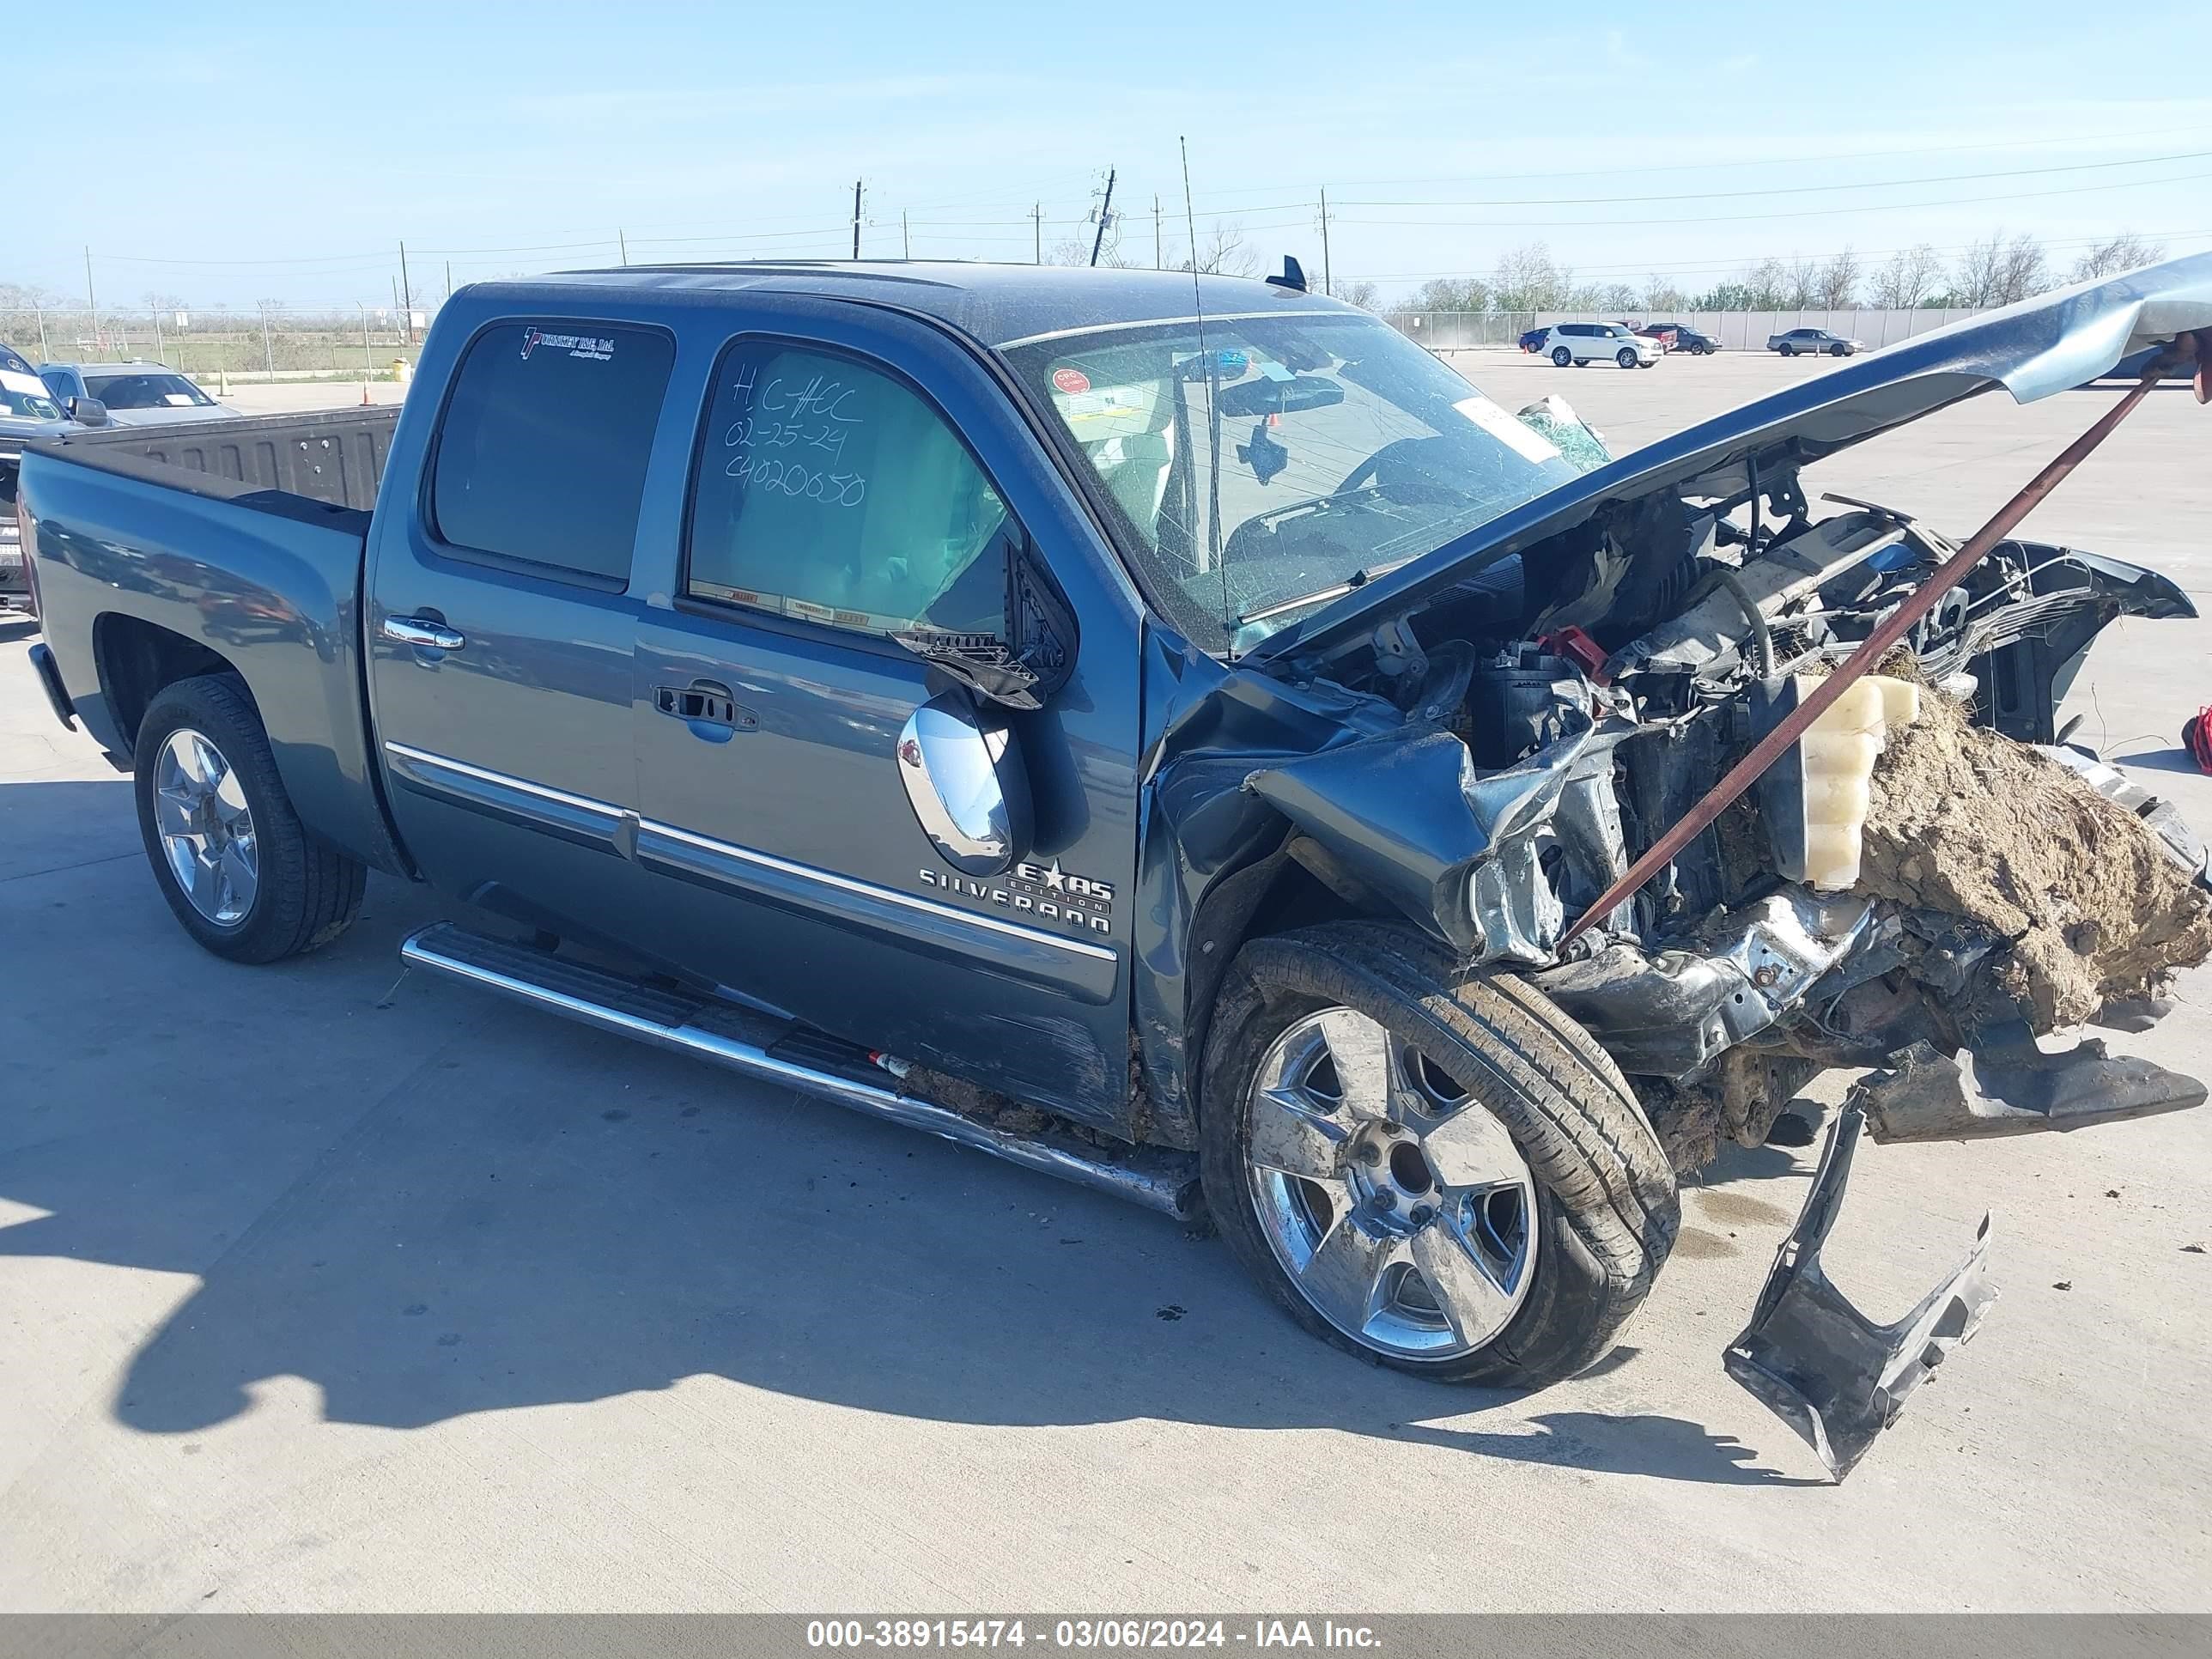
pixel 24 397
pixel 149 391
pixel 1296 454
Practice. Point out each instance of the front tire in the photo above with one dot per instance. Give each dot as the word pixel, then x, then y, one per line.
pixel 1840 351
pixel 1625 357
pixel 1437 1171
pixel 1561 356
pixel 228 852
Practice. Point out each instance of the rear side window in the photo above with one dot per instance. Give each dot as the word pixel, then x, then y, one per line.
pixel 543 452
pixel 835 493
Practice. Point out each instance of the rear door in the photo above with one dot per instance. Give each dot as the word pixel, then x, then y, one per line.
pixel 856 472
pixel 502 622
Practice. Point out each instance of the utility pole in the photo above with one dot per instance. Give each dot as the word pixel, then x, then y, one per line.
pixel 268 349
pixel 406 300
pixel 1327 286
pixel 1105 217
pixel 622 242
pixel 857 183
pixel 45 353
pixel 90 300
pixel 449 279
pixel 160 350
pixel 1037 223
pixel 906 236
pixel 1160 258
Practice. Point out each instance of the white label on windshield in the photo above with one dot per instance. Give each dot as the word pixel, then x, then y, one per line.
pixel 1522 441
pixel 178 399
pixel 23 386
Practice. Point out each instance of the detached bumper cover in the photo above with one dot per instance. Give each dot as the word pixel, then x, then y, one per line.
pixel 1820 1364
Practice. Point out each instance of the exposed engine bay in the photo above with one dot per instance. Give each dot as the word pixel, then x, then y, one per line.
pixel 1566 706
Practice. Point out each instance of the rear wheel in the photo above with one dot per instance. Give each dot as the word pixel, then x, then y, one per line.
pixel 1561 356
pixel 1439 1172
pixel 228 852
pixel 1787 350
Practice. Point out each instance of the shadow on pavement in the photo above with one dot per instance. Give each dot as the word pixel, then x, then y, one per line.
pixel 428 1203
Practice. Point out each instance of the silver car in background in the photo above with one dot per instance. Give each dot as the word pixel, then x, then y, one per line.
pixel 133 394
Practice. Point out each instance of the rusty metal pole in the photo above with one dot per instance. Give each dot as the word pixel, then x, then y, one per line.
pixel 1771 747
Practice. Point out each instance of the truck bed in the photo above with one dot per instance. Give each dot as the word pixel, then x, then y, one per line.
pixel 233 546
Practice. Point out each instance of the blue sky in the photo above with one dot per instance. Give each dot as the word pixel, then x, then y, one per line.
pixel 283 151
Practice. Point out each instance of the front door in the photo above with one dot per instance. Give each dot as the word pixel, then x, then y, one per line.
pixel 502 624
pixel 856 475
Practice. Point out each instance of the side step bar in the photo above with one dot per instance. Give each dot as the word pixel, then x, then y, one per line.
pixel 744 1042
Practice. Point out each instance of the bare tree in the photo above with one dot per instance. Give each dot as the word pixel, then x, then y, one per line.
pixel 1616 296
pixel 2122 253
pixel 1528 280
pixel 28 296
pixel 1363 293
pixel 1974 279
pixel 2023 270
pixel 1838 284
pixel 1905 282
pixel 1453 294
pixel 158 299
pixel 1801 284
pixel 1660 294
pixel 1767 286
pixel 1222 251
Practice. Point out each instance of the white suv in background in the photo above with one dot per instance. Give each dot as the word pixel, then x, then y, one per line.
pixel 1582 343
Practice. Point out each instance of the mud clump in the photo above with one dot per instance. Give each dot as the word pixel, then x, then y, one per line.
pixel 1969 823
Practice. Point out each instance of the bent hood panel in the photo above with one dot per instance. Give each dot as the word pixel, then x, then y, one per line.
pixel 2043 345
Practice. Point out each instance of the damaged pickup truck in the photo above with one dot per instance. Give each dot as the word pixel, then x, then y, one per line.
pixel 1181 736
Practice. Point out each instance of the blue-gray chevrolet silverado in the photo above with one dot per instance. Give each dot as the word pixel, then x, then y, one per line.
pixel 1159 731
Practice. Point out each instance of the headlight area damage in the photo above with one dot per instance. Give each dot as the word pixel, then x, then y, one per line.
pixel 1925 883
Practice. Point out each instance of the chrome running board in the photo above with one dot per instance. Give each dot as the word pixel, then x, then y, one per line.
pixel 743 1042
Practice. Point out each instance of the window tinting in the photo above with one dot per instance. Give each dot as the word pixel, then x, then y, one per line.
pixel 832 492
pixel 543 452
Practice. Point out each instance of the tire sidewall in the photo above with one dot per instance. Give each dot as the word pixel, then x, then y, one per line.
pixel 1548 1337
pixel 220 711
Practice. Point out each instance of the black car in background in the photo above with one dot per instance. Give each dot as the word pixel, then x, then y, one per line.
pixel 1682 338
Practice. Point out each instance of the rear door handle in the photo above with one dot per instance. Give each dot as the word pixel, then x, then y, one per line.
pixel 420 631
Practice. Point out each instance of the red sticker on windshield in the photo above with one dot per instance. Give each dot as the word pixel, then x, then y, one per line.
pixel 1069 381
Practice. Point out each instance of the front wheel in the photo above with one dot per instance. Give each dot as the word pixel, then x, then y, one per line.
pixel 228 852
pixel 1439 1172
pixel 1561 356
pixel 1625 357
pixel 1840 351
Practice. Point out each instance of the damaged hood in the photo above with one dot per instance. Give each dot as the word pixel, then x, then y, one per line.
pixel 2043 345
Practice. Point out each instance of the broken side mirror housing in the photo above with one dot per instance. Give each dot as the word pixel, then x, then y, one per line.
pixel 964 778
pixel 1034 659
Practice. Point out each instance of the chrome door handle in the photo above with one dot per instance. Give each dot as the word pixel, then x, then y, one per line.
pixel 418 631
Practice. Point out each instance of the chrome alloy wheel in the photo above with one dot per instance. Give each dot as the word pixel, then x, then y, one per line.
pixel 1396 1202
pixel 206 827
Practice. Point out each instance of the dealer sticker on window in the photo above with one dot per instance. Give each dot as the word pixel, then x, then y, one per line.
pixel 1522 441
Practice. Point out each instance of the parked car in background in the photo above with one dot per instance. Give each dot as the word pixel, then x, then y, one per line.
pixel 1534 339
pixel 1681 337
pixel 1581 342
pixel 26 411
pixel 132 394
pixel 1813 340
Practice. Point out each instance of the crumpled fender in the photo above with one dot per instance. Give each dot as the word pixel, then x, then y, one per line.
pixel 1410 818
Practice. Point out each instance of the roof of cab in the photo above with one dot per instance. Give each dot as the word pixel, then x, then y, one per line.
pixel 1001 305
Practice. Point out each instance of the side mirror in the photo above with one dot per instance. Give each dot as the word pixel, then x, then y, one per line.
pixel 87 412
pixel 1034 660
pixel 963 775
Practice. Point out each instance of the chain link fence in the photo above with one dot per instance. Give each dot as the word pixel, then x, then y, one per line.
pixel 213 346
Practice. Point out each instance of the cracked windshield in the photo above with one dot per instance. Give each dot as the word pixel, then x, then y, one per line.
pixel 1255 479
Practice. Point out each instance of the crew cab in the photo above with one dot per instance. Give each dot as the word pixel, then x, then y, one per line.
pixel 1159 735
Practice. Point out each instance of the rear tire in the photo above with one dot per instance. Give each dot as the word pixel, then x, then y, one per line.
pixel 210 803
pixel 1597 1197
pixel 1787 350
pixel 1561 356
